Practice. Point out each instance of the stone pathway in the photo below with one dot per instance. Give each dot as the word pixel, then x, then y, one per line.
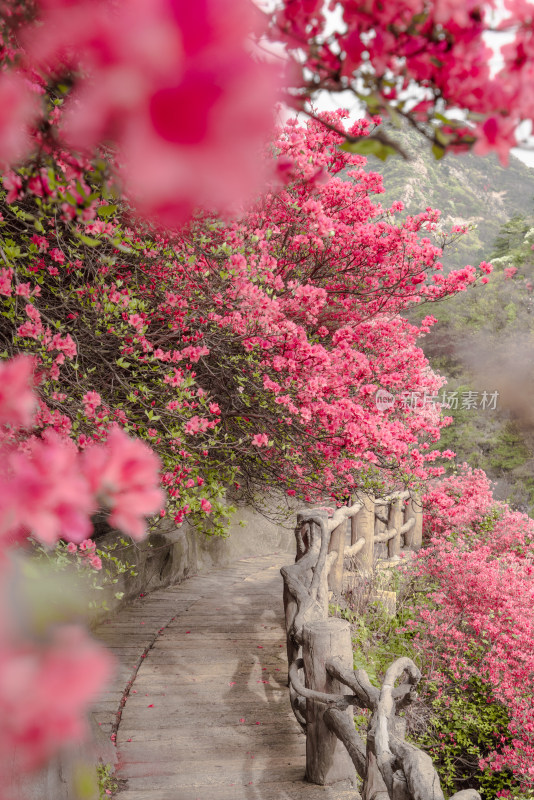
pixel 199 708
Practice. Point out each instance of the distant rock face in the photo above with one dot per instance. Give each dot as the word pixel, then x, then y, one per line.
pixel 467 189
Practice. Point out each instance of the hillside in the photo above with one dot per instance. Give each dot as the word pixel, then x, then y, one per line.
pixel 483 342
pixel 465 188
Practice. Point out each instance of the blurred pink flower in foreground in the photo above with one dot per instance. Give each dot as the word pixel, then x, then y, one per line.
pixel 123 477
pixel 18 108
pixel 17 400
pixel 45 494
pixel 174 85
pixel 44 690
pixel 49 490
pixel 50 671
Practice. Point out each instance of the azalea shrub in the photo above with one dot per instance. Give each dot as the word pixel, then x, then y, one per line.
pixel 245 352
pixel 472 622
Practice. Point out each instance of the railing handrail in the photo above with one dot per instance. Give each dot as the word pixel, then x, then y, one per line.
pixel 320 647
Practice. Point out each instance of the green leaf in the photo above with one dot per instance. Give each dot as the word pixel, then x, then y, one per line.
pixel 369 146
pixel 88 240
pixel 106 211
pixel 438 151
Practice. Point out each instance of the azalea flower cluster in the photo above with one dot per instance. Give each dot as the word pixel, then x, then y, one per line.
pixel 421 60
pixel 317 273
pixel 48 490
pixel 479 621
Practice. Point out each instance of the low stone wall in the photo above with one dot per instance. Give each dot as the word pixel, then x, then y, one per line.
pixel 170 555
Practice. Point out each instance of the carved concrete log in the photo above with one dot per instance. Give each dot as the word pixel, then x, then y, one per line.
pixel 374 787
pixel 380 529
pixel 392 753
pixel 298 578
pixel 337 545
pixel 385 536
pixel 343 727
pixel 382 726
pixel 395 522
pixel 414 510
pixel 382 513
pixel 302 578
pixel 327 760
pixel 367 694
pixel 406 528
pixel 344 512
pixel 358 681
pixel 341 701
pixel 290 611
pixel 353 549
pixel 298 704
pixel 421 777
pixel 362 527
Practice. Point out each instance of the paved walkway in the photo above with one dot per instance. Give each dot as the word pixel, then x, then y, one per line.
pixel 199 707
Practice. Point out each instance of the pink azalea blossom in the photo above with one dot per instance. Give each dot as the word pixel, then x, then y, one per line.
pixel 205 505
pixel 18 108
pixel 123 475
pixel 45 688
pixel 6 276
pixel 44 494
pixel 57 255
pixel 17 400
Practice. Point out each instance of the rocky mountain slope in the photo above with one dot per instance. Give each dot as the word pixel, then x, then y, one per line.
pixel 467 189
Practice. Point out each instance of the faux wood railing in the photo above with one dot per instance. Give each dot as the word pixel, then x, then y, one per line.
pixel 324 688
pixel 379 528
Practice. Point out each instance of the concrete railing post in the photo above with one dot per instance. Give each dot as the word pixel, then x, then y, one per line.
pixel 327 760
pixel 363 527
pixel 414 510
pixel 395 520
pixel 337 544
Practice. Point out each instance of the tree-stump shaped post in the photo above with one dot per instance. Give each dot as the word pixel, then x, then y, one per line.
pixel 395 521
pixel 337 544
pixel 414 510
pixel 363 527
pixel 327 760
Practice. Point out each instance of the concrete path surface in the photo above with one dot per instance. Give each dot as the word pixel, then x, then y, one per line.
pixel 199 709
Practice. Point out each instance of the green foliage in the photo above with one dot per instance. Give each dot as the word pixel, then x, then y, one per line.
pixel 510 450
pixel 100 583
pixel 377 637
pixel 107 784
pixel 370 147
pixel 465 726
